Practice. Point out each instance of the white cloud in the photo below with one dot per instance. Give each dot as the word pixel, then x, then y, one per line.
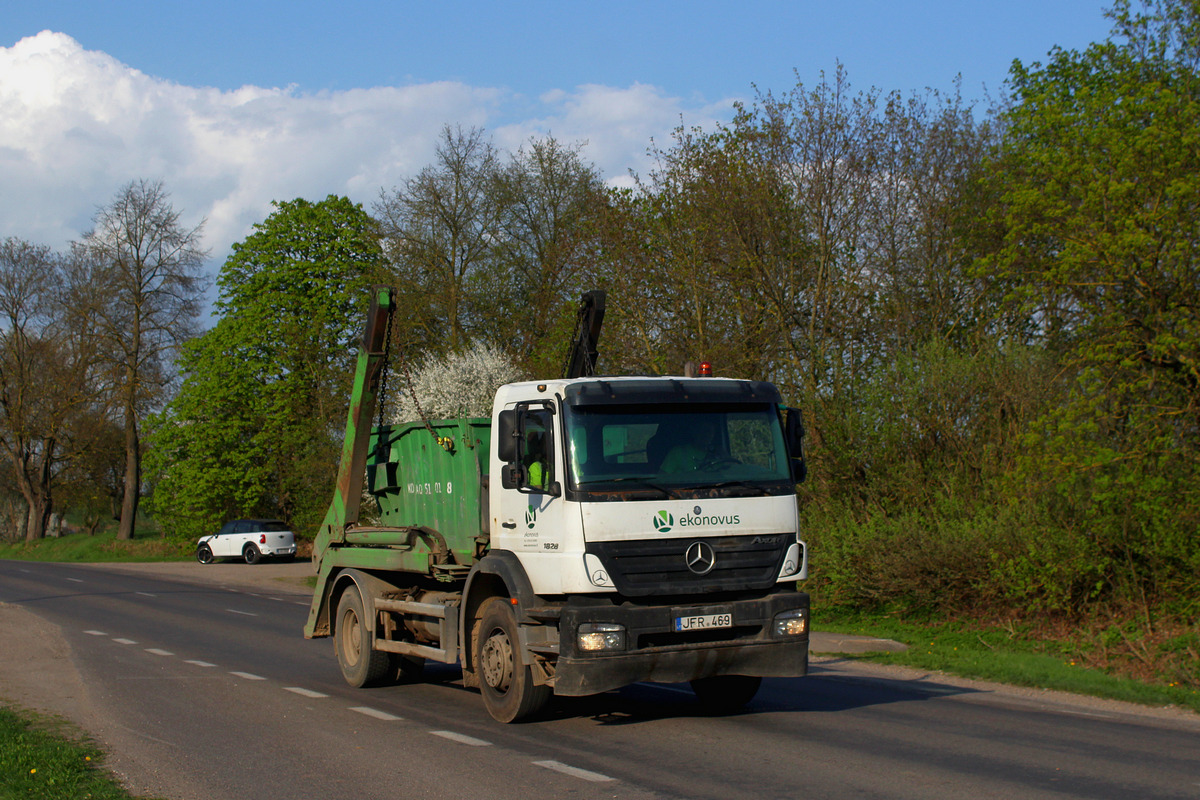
pixel 76 125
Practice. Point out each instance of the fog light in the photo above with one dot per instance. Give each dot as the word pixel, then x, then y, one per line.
pixel 792 623
pixel 597 636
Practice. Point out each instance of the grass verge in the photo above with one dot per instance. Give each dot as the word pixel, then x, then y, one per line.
pixel 41 760
pixel 103 547
pixel 1006 653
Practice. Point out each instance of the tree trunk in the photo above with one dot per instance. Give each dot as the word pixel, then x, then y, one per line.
pixel 37 512
pixel 35 519
pixel 133 475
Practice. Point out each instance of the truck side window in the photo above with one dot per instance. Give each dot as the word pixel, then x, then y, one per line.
pixel 538 460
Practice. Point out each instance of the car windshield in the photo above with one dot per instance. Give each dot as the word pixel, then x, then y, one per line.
pixel 676 450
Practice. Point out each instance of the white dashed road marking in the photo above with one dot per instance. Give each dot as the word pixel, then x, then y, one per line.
pixel 243 613
pixel 462 738
pixel 147 594
pixel 575 772
pixel 75 580
pixel 376 713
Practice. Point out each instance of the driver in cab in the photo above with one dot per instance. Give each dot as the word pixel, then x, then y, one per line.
pixel 688 456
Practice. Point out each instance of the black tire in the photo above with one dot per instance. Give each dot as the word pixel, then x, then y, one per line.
pixel 204 554
pixel 725 693
pixel 251 554
pixel 505 680
pixel 361 666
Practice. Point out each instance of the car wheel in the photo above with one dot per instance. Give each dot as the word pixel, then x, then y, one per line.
pixel 361 666
pixel 251 554
pixel 505 680
pixel 204 554
pixel 726 693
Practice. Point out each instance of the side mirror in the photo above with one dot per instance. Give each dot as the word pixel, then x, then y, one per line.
pixel 507 433
pixel 793 429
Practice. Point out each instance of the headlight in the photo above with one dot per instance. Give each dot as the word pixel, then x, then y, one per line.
pixel 596 636
pixel 791 623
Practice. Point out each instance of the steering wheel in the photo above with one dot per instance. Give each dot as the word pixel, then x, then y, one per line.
pixel 716 462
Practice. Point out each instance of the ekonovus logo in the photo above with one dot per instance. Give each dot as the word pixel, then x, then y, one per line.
pixel 663 521
pixel 531 516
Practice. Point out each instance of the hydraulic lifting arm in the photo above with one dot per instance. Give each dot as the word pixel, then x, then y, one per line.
pixel 581 360
pixel 343 510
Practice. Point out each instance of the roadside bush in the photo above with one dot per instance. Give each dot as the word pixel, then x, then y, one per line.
pixel 937 558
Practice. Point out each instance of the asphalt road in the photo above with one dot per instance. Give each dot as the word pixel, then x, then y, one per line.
pixel 209 692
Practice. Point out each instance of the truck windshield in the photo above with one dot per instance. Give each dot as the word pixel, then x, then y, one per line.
pixel 677 450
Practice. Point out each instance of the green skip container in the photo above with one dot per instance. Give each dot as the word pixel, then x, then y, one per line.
pixel 434 478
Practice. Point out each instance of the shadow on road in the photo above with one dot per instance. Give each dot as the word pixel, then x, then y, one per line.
pixel 825 690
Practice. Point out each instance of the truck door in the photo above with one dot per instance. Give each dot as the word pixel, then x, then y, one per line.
pixel 531 505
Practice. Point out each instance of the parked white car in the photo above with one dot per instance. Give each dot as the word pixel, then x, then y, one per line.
pixel 248 539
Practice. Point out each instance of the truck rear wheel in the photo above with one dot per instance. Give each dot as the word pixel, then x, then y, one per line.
pixel 723 693
pixel 505 680
pixel 361 666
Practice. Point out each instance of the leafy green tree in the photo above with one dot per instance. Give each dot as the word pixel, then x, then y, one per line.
pixel 1098 183
pixel 255 427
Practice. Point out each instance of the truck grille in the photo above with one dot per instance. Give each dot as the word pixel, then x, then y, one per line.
pixel 660 566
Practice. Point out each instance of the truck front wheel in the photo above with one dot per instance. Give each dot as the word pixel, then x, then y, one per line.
pixel 361 666
pixel 505 680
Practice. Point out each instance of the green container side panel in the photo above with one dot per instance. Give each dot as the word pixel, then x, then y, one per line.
pixel 433 480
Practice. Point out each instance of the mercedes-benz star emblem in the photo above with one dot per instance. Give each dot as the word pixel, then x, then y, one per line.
pixel 699 558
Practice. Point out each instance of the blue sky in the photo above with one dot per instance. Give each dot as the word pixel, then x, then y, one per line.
pixel 713 49
pixel 233 104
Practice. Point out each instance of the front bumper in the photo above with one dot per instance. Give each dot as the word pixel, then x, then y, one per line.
pixel 655 652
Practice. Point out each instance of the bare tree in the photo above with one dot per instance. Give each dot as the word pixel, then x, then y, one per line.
pixel 440 230
pixel 149 295
pixel 547 197
pixel 47 371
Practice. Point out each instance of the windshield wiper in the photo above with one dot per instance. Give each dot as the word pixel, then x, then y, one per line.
pixel 743 484
pixel 642 482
